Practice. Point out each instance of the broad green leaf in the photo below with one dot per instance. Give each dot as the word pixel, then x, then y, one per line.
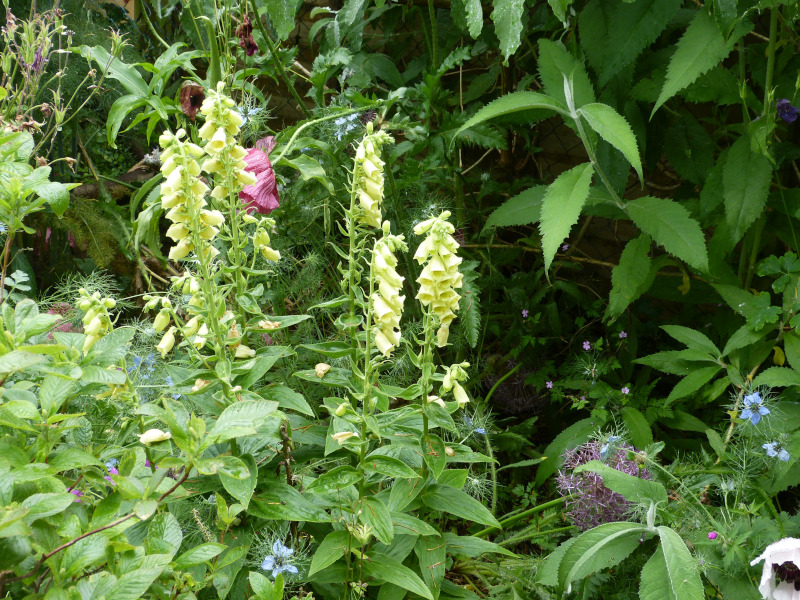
pixel 145 509
pixel 94 374
pixel 633 489
pixel 72 458
pixel 389 466
pixel 333 547
pixel 133 585
pixel 556 62
pixel 600 548
pixel 692 338
pixel 696 379
pixel 243 417
pixel 690 150
pixel 127 75
pixel 700 48
pixel 614 129
pixel 405 524
pixel 683 421
pixel 433 453
pixel 56 195
pixel 336 479
pixel 121 108
pixel 716 443
pixel 372 512
pixel 241 489
pixel 561 208
pixel 507 18
pixel 559 8
pixel 746 179
pixel 670 225
pixel 431 553
pixel 45 505
pixel 637 426
pixel 629 277
pixel 281 14
pixel 18 360
pixel 474 13
pixel 777 377
pixel 281 502
pixel 287 399
pixel 469 546
pixel 572 436
pixel 198 555
pixel 791 347
pixel 448 499
pixel 743 337
pixel 384 568
pixel 683 574
pixel 164 534
pixel 655 581
pixel 758 310
pixel 511 103
pixel 309 168
pixel 264 588
pixel 631 26
pixel 522 209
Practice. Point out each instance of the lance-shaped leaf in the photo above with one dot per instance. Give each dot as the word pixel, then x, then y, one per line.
pixel 613 128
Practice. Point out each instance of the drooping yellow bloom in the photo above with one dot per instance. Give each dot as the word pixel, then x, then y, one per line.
pixel 453 375
pixel 368 174
pixel 387 303
pixel 440 277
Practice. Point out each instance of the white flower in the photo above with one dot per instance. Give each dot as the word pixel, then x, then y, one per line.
pixel 342 436
pixel 775 555
pixel 154 435
pixel 322 369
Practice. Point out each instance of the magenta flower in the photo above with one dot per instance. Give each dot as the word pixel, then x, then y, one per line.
pixel 587 345
pixel 712 535
pixel 549 385
pixel 76 493
pixel 625 390
pixel 262 196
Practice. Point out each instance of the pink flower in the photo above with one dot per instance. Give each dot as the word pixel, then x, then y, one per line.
pixel 587 345
pixel 625 390
pixel 712 535
pixel 76 493
pixel 524 313
pixel 263 195
pixel 623 335
pixel 549 385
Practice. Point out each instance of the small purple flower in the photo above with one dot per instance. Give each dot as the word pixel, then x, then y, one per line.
pixel 278 561
pixel 625 390
pixel 623 335
pixel 786 111
pixel 146 463
pixel 76 493
pixel 712 535
pixel 549 385
pixel 565 247
pixel 524 313
pixel 587 345
pixel 754 408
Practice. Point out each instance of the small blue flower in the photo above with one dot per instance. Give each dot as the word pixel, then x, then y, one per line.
pixel 754 408
pixel 606 448
pixel 345 125
pixel 278 561
pixel 112 463
pixel 468 420
pixel 3 227
pixel 480 430
pixel 775 451
pixel 168 381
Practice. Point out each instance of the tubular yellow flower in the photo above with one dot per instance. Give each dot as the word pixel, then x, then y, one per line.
pixel 368 175
pixel 167 342
pixel 387 303
pixel 440 276
pixel 151 436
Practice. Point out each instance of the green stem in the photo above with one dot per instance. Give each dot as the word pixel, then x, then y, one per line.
pixel 519 516
pixel 751 264
pixel 276 61
pixel 525 536
pixel 152 28
pixel 773 30
pixel 434 36
pixel 499 381
pixel 593 157
pixel 493 469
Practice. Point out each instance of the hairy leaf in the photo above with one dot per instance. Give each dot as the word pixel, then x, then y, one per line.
pixel 683 574
pixel 507 18
pixel 555 62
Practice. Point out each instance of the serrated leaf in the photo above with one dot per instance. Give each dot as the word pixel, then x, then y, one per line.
pixel 561 208
pixel 777 377
pixel 683 574
pixel 670 225
pixel 746 179
pixel 637 426
pixel 743 337
pixel 696 379
pixel 512 103
pixel 692 338
pixel 614 129
pixel 700 48
pixel 559 8
pixel 522 209
pixel 281 15
pixel 631 26
pixel 654 579
pixel 507 18
pixel 629 277
pixel 474 14
pixel 555 62
pixel 758 310
pixel 689 148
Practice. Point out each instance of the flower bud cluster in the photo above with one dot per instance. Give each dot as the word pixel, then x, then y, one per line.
pixel 453 375
pixel 368 175
pixel 440 276
pixel 96 321
pixel 182 195
pixel 261 239
pixel 387 303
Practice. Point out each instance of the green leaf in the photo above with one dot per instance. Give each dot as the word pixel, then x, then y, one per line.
pixel 559 8
pixel 56 195
pixel 474 14
pixel 121 108
pixel 405 523
pixel 655 577
pixel 637 426
pixel 555 62
pixel 281 502
pixel 433 453
pixel 572 436
pixel 746 179
pixel 758 310
pixel 631 26
pixel 331 349
pixel 133 585
pixel 512 103
pixel 600 548
pixel 127 75
pixel 777 377
pixel 700 48
pixel 507 18
pixel 384 568
pixel 630 276
pixel 281 14
pixel 692 339
pixel 690 150
pixel 696 379
pixel 309 168
pixel 335 545
pixel 389 466
pixel 372 512
pixel 46 505
pixel 670 225
pixel 287 399
pixel 145 509
pixel 614 129
pixel 164 534
pixel 791 347
pixel 242 489
pixel 432 556
pixel 469 546
pixel 198 555
pixel 683 575
pixel 18 360
pixel 633 489
pixel 561 208
pixel 458 503
pixel 94 374
pixel 335 480
pixel 716 443
pixel 522 209
pixel 242 418
pixel 683 421
pixel 72 458
pixel 745 336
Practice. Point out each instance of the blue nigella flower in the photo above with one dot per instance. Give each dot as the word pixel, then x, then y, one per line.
pixel 278 561
pixel 754 408
pixel 480 430
pixel 168 381
pixel 345 125
pixel 606 448
pixel 775 451
pixel 112 463
pixel 468 420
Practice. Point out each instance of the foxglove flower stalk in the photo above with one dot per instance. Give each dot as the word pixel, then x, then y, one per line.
pixel 96 321
pixel 452 376
pixel 261 240
pixel 588 502
pixel 387 303
pixel 368 176
pixel 440 278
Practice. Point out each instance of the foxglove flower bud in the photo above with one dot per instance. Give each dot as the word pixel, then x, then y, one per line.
pixel 368 174
pixel 167 342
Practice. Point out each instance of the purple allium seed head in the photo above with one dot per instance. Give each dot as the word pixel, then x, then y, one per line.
pixel 588 502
